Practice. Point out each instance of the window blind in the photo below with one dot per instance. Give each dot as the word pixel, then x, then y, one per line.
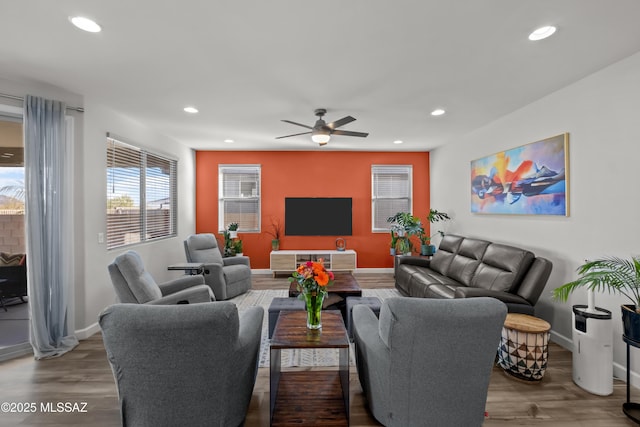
pixel 391 192
pixel 141 195
pixel 239 197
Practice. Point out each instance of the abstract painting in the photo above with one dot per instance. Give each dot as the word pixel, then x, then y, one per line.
pixel 531 179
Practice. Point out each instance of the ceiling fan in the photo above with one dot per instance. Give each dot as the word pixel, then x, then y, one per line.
pixel 321 132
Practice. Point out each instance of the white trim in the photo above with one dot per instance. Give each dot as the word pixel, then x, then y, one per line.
pixel 15 351
pixel 83 334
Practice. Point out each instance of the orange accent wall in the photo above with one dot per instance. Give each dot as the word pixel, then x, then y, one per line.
pixel 310 174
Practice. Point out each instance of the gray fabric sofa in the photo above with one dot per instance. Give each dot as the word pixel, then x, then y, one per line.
pixel 427 362
pixel 464 267
pixel 183 365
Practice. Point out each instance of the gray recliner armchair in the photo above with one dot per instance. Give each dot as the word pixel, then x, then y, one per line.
pixel 427 362
pixel 228 277
pixel 133 284
pixel 183 365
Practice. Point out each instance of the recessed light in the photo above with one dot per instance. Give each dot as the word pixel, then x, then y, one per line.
pixel 190 110
pixel 397 141
pixel 85 24
pixel 542 33
pixel 229 141
pixel 437 112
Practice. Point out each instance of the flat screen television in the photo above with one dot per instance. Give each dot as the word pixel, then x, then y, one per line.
pixel 317 216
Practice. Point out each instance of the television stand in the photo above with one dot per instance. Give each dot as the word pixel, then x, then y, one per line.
pixel 287 261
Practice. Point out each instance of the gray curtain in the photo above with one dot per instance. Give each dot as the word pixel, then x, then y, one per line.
pixel 49 214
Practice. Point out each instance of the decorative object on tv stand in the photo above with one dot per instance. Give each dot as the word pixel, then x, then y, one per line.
pixel 275 233
pixel 312 280
pixel 426 248
pixel 405 226
pixel 233 230
pixel 341 244
pixel 531 179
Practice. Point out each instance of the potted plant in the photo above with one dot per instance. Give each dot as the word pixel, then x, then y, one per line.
pixel 229 249
pixel 275 233
pixel 237 247
pixel 233 230
pixel 394 243
pixel 426 247
pixel 405 225
pixel 615 275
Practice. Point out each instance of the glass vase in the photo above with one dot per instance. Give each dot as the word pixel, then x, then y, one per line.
pixel 313 301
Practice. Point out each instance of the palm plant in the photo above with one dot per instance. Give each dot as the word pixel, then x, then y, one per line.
pixel 613 274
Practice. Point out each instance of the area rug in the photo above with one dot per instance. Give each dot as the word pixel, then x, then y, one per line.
pixel 295 358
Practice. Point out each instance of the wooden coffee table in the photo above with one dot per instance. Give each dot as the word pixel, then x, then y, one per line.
pixel 309 397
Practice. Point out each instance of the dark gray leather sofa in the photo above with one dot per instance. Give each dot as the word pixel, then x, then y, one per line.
pixel 464 268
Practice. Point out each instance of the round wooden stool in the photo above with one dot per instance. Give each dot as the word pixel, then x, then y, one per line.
pixel 524 346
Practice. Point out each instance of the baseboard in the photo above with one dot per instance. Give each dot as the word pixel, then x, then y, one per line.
pixel 374 270
pixel 83 334
pixel 358 270
pixel 15 351
pixel 562 341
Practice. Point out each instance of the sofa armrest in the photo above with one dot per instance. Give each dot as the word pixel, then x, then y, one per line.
pixel 192 295
pixel 235 260
pixel 181 283
pixel 505 297
pixel 413 260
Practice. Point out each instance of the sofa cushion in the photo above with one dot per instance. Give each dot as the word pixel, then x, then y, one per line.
pixel 142 285
pixel 422 281
pixel 442 291
pixel 502 268
pixel 467 259
pixel 444 255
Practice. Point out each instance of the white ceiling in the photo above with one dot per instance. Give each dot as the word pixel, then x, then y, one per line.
pixel 247 64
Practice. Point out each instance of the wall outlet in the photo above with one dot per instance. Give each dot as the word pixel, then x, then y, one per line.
pixel 100 237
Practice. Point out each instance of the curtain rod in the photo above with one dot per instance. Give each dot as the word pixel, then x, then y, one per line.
pixel 19 98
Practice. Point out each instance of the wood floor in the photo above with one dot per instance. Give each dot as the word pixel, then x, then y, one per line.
pixel 83 376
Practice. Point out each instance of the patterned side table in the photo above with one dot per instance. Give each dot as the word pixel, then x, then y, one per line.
pixel 524 346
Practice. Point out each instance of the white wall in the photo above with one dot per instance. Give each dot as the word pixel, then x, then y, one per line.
pixel 602 115
pixel 98 290
pixel 92 287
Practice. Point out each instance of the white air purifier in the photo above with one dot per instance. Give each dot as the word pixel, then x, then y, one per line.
pixel 593 348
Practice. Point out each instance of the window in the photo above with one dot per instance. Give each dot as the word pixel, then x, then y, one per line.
pixel 391 192
pixel 141 195
pixel 239 197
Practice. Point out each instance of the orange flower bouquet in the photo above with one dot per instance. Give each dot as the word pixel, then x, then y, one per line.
pixel 312 280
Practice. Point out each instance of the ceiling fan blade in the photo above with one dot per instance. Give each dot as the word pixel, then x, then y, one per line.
pixel 343 121
pixel 349 133
pixel 297 124
pixel 295 134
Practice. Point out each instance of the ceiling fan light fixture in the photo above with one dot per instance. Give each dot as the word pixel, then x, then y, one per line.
pixel 320 137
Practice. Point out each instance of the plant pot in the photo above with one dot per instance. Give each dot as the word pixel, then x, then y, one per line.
pixel 630 322
pixel 392 251
pixel 233 234
pixel 239 254
pixel 275 245
pixel 427 250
